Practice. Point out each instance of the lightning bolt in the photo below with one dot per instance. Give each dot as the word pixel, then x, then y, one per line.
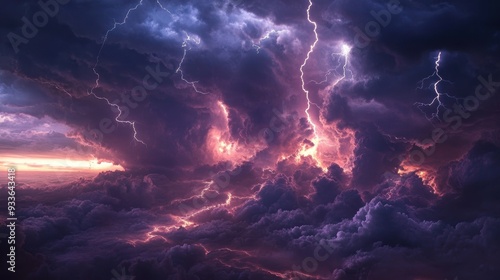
pixel 186 47
pixel 163 8
pixel 345 51
pixel 343 61
pixel 58 87
pixel 257 46
pixel 310 147
pixel 307 150
pixel 96 85
pixel 94 69
pixel 437 100
pixel 343 55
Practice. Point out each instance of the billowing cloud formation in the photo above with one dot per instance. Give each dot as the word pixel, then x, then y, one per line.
pixel 123 220
pixel 255 139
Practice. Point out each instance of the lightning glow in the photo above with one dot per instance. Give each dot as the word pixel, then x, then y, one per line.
pixel 428 176
pixel 343 62
pixel 344 53
pixel 181 221
pixel 346 49
pixel 221 144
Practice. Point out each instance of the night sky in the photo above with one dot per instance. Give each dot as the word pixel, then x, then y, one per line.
pixel 251 139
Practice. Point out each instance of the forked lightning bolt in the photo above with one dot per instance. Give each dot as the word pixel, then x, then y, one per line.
pixel 311 150
pixel 435 86
pixel 186 47
pixel 345 51
pixel 266 36
pixel 117 118
pixel 343 55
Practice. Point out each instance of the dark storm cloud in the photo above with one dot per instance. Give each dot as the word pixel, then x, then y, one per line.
pixel 377 224
pixel 404 51
pixel 374 155
pixel 67 48
pixel 474 179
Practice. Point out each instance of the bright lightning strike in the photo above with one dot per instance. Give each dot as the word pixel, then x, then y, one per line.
pixel 437 100
pixel 310 149
pixel 326 141
pixel 117 118
pixel 346 50
pixel 343 61
pixel 186 47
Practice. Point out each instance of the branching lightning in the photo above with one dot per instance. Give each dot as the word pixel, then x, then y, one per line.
pixel 186 47
pixel 343 62
pixel 345 51
pixel 321 132
pixel 437 99
pixel 308 150
pixel 257 46
pixel 312 148
pixel 91 92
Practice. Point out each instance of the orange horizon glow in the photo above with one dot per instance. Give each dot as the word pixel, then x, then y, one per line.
pixel 46 163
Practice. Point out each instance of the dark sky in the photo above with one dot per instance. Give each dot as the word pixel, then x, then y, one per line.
pixel 240 139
